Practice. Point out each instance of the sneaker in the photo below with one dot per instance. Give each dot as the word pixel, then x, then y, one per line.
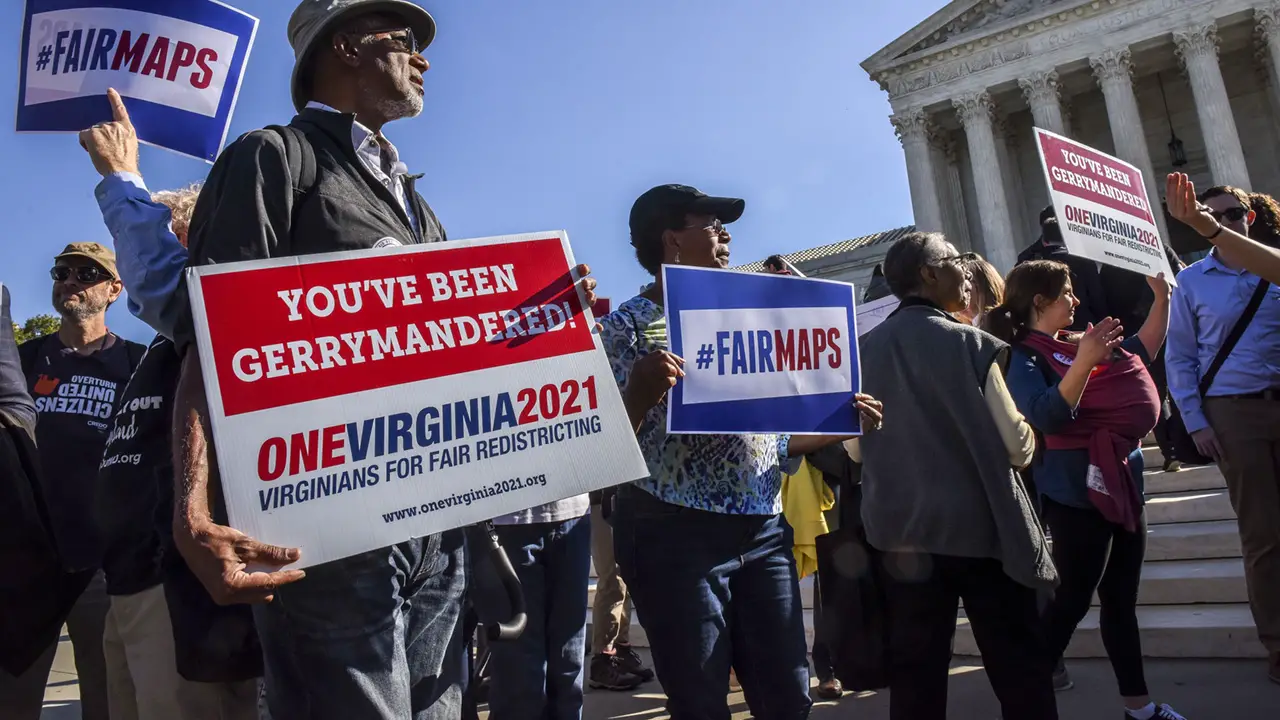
pixel 632 663
pixel 1062 678
pixel 607 673
pixel 830 689
pixel 1172 465
pixel 1163 712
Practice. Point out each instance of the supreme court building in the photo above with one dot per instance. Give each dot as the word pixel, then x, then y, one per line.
pixel 1163 84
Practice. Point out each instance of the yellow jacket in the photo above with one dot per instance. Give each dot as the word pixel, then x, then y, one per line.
pixel 804 498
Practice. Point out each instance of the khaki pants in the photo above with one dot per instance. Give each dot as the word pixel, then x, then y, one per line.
pixel 610 615
pixel 1249 432
pixel 142 674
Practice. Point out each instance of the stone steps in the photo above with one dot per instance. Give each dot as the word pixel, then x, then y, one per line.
pixel 1168 631
pixel 1192 582
pixel 1189 506
pixel 1197 477
pixel 1193 541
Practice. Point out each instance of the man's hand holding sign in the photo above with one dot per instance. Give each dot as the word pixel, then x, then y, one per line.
pixel 113 146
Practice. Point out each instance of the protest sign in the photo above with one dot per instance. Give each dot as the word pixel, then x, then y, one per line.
pixel 873 313
pixel 359 399
pixel 1102 206
pixel 177 63
pixel 763 353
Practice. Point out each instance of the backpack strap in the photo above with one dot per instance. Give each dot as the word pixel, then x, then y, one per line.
pixel 301 157
pixel 1237 332
pixel 136 352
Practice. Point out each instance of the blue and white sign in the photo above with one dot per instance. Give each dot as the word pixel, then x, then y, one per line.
pixel 177 63
pixel 762 353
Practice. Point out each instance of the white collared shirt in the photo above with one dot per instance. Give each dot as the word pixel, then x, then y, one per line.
pixel 365 143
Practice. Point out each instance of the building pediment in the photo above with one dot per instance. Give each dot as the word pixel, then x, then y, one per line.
pixel 960 22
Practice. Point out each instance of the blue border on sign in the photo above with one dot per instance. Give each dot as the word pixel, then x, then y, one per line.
pixel 688 288
pixel 185 132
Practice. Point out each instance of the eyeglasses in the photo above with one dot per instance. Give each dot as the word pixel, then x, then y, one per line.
pixel 715 226
pixel 1234 215
pixel 956 260
pixel 402 38
pixel 85 274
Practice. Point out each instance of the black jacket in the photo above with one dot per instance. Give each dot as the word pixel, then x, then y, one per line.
pixel 134 498
pixel 251 208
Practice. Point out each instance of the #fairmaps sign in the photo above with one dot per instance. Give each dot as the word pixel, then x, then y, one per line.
pixel 762 353
pixel 177 63
pixel 1102 206
pixel 359 399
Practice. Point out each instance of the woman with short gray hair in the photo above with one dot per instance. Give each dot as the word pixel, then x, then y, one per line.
pixel 941 501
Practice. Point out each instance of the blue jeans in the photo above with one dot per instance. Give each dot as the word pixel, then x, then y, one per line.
pixel 715 591
pixel 376 635
pixel 539 675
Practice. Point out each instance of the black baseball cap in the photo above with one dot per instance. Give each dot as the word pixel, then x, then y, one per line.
pixel 1048 214
pixel 659 205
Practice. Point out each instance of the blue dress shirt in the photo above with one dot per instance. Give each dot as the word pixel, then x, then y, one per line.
pixel 148 255
pixel 1208 301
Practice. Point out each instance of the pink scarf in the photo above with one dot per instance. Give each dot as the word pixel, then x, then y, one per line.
pixel 1119 407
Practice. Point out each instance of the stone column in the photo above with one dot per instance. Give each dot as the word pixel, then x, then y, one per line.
pixel 1114 71
pixel 912 127
pixel 976 113
pixel 1015 191
pixel 1042 94
pixel 1269 32
pixel 1198 48
pixel 954 222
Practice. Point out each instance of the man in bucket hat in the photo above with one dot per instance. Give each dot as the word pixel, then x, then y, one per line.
pixel 376 635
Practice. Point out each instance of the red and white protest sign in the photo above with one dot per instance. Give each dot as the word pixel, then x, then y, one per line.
pixel 359 399
pixel 1102 206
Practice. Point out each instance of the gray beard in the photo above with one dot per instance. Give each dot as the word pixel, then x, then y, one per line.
pixel 400 108
pixel 83 310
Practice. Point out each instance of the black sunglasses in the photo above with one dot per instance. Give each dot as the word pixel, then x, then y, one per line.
pixel 85 274
pixel 402 39
pixel 1234 215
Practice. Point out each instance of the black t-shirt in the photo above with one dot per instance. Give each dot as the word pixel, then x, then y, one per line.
pixel 135 482
pixel 76 398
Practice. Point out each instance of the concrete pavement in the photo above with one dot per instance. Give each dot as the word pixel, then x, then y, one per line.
pixel 1199 689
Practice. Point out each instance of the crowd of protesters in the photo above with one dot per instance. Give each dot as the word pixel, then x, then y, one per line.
pixel 1017 405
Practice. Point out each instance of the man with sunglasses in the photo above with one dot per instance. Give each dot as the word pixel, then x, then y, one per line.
pixel 380 634
pixel 1233 418
pixel 76 378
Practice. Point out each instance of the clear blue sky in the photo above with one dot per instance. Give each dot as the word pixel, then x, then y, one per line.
pixel 556 114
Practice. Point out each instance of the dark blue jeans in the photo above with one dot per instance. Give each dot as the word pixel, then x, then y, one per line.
pixel 376 635
pixel 715 591
pixel 539 675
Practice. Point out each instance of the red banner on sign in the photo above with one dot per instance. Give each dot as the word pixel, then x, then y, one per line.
pixel 1077 170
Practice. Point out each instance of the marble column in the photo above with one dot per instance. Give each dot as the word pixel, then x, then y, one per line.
pixel 1198 49
pixel 955 223
pixel 976 113
pixel 1269 32
pixel 912 127
pixel 1015 191
pixel 1114 71
pixel 1042 93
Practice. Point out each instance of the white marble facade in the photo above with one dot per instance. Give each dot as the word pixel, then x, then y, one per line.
pixel 968 84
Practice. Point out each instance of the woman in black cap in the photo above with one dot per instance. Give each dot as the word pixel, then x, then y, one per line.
pixel 701 543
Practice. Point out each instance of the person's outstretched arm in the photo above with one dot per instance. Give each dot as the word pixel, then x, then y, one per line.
pixel 1257 258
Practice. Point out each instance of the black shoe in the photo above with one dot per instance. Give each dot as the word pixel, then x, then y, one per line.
pixel 1062 678
pixel 608 673
pixel 632 663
